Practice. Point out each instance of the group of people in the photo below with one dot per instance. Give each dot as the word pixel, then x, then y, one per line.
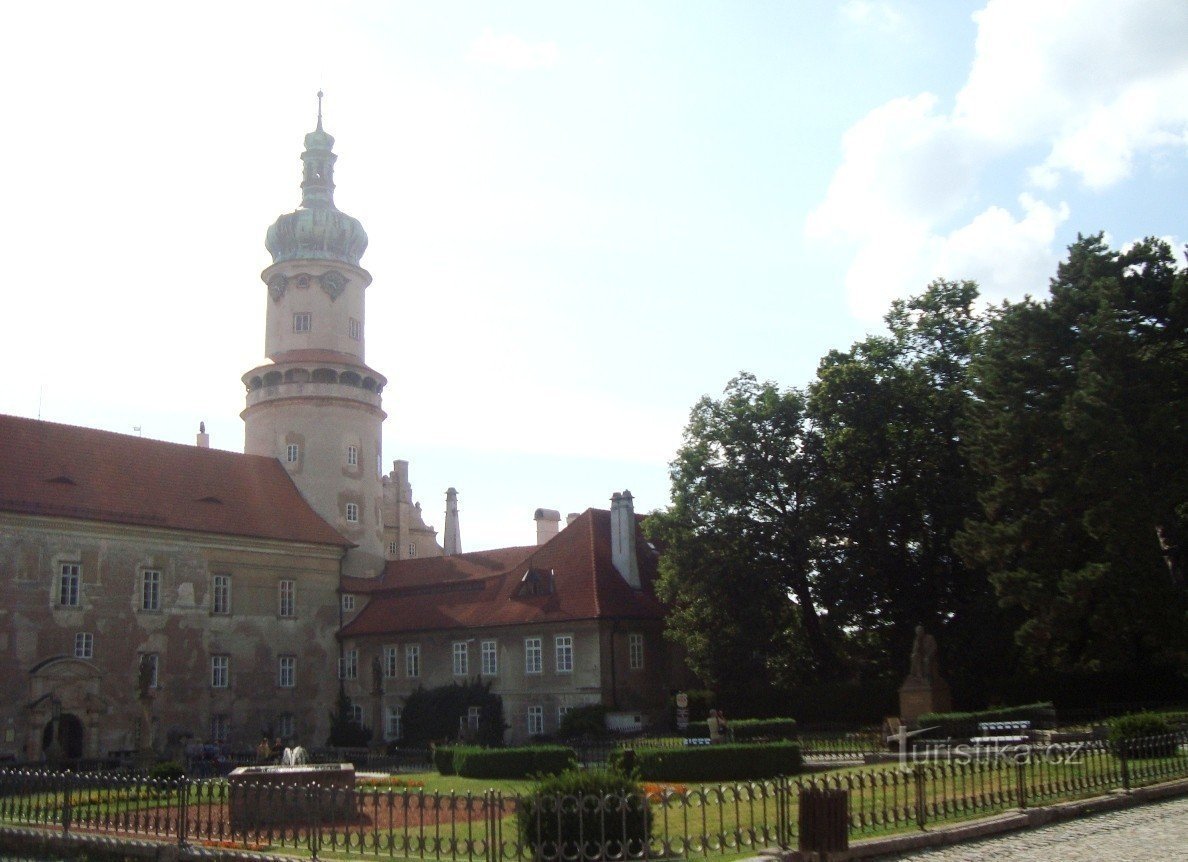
pixel 272 752
pixel 719 731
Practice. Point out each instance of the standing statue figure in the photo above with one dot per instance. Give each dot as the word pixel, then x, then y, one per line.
pixel 144 679
pixel 377 676
pixel 924 656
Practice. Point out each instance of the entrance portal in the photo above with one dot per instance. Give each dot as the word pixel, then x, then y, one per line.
pixel 70 736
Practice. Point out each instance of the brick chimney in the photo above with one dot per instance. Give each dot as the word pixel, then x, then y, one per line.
pixel 548 524
pixel 623 538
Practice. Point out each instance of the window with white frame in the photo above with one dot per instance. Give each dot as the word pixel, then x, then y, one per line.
pixel 352 513
pixel 391 660
pixel 490 658
pixel 302 322
pixel 348 603
pixel 150 590
pixel 154 666
pixel 394 725
pixel 352 456
pixel 220 728
pixel 69 584
pixel 286 671
pixel 220 602
pixel 533 660
pixel 535 720
pixel 562 711
pixel 348 665
pixel 287 598
pixel 474 715
pixel 220 671
pixel 563 653
pixel 286 727
pixel 292 453
pixel 412 550
pixel 356 714
pixel 461 658
pixel 392 549
pixel 635 651
pixel 412 660
pixel 84 645
pixel 354 329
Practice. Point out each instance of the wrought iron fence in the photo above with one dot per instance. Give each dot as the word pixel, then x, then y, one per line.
pixel 927 788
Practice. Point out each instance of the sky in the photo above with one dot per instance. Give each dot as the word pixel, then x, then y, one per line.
pixel 582 217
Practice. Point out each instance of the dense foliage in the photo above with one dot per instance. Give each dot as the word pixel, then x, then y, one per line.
pixel 583 721
pixel 726 762
pixel 1016 481
pixel 586 814
pixel 345 731
pixel 475 762
pixel 443 713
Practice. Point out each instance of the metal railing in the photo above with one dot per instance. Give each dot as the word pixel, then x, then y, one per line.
pixel 928 787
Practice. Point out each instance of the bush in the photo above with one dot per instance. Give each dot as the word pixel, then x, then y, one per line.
pixel 583 721
pixel 697 730
pixel 961 724
pixel 593 814
pixel 471 762
pixel 443 759
pixel 1142 734
pixel 734 761
pixel 438 714
pixel 762 728
pixel 167 770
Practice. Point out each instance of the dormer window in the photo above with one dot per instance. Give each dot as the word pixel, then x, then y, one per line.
pixel 536 582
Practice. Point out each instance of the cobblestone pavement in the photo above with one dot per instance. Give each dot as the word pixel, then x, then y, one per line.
pixel 1156 832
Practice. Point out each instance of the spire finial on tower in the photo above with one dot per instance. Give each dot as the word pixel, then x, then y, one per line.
pixel 319 110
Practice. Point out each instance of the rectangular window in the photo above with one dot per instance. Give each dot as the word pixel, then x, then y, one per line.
pixel 220 602
pixel 533 661
pixel 473 716
pixel 563 652
pixel 348 665
pixel 220 671
pixel 354 329
pixel 535 720
pixel 461 658
pixel 286 671
pixel 292 453
pixel 635 652
pixel 352 456
pixel 412 550
pixel 392 546
pixel 490 653
pixel 154 666
pixel 352 513
pixel 220 728
pixel 150 590
pixel 394 726
pixel 302 321
pixel 285 725
pixel 356 714
pixel 287 598
pixel 84 645
pixel 348 603
pixel 69 582
pixel 391 660
pixel 562 711
pixel 412 660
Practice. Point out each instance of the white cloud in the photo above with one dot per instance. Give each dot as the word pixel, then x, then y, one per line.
pixel 872 13
pixel 1093 84
pixel 507 51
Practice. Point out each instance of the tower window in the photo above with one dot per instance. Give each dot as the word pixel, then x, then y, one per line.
pixel 412 549
pixel 292 453
pixel 84 645
pixel 352 456
pixel 352 513
pixel 355 330
pixel 302 322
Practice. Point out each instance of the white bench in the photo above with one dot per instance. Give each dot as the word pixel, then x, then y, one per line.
pixel 1002 733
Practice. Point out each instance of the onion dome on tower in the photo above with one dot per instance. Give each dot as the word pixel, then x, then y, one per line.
pixel 317 230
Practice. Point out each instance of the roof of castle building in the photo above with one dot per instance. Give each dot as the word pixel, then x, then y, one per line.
pixel 569 577
pixel 80 473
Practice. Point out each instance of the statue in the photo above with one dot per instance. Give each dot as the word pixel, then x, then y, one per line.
pixel 924 656
pixel 144 678
pixel 377 676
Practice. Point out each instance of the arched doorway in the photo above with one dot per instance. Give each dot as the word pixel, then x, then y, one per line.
pixel 70 736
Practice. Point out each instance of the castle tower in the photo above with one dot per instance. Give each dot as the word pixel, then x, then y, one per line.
pixel 316 405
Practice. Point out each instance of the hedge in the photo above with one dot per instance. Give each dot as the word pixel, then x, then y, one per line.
pixel 728 762
pixel 1142 734
pixel 443 759
pixel 962 724
pixel 567 816
pixel 473 762
pixel 762 728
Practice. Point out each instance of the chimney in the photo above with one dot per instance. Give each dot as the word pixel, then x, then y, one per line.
pixel 571 517
pixel 548 524
pixel 203 437
pixel 623 538
pixel 452 541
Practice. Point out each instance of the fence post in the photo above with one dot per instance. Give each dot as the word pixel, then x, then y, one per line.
pixel 921 806
pixel 1123 756
pixel 1021 784
pixel 183 810
pixel 65 805
pixel 783 790
pixel 313 796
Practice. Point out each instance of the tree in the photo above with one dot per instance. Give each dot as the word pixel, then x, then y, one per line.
pixel 738 563
pixel 1079 429
pixel 444 713
pixel 345 730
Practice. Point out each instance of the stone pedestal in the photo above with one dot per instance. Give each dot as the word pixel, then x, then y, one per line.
pixel 918 696
pixel 290 796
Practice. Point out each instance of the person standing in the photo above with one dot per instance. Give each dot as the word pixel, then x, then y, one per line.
pixel 715 727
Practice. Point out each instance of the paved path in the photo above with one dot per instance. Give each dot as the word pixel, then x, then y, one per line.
pixel 1148 833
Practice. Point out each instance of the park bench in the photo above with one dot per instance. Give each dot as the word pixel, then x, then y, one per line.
pixel 1002 733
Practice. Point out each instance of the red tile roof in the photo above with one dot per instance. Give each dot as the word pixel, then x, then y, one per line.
pixel 81 473
pixel 483 589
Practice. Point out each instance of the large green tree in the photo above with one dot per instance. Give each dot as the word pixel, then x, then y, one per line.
pixel 1080 428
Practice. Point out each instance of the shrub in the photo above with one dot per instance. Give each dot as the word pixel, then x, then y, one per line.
pixel 439 713
pixel 762 728
pixel 591 814
pixel 167 770
pixel 966 723
pixel 1142 734
pixel 470 762
pixel 345 732
pixel 443 759
pixel 734 761
pixel 697 730
pixel 583 721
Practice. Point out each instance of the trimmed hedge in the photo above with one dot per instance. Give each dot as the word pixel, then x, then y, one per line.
pixel 1142 734
pixel 473 762
pixel 443 759
pixel 966 723
pixel 569 815
pixel 762 728
pixel 715 762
